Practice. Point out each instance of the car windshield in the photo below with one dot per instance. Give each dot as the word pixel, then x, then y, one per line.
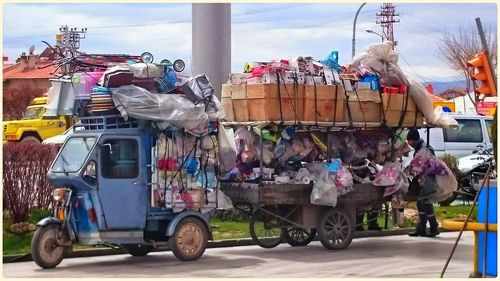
pixel 73 154
pixel 33 113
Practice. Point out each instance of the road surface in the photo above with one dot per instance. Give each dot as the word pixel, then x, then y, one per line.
pixel 390 256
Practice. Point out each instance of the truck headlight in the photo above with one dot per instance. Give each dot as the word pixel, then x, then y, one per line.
pixel 59 194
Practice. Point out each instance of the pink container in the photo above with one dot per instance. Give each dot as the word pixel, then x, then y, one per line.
pixel 83 83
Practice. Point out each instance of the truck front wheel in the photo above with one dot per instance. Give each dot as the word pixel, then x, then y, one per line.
pixel 44 249
pixel 30 139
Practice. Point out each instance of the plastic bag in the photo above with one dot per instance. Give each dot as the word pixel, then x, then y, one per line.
pixel 443 121
pixel 176 110
pixel 419 162
pixel 197 89
pixel 428 188
pixel 446 185
pixel 324 191
pixel 332 60
pixel 388 176
pixel 344 181
pixel 146 70
pixel 227 148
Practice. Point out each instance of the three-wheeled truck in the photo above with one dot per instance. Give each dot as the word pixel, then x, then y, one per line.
pixel 105 179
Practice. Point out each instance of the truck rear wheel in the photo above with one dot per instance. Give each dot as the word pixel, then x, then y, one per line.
pixel 30 139
pixel 189 240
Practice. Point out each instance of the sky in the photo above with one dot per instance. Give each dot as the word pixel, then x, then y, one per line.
pixel 259 32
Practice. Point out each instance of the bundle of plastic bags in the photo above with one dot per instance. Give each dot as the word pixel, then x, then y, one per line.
pixel 392 178
pixel 435 178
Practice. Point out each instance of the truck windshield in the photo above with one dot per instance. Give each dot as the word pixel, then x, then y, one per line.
pixel 33 113
pixel 73 154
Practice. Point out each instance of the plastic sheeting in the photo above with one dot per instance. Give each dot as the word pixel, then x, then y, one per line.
pixel 60 98
pixel 176 110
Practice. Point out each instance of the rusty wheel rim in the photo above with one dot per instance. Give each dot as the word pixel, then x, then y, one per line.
pixel 190 239
pixel 48 250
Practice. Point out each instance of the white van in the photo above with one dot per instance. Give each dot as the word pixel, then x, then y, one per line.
pixel 472 130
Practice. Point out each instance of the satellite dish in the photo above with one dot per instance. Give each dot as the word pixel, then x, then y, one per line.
pixel 32 49
pixel 179 65
pixel 147 57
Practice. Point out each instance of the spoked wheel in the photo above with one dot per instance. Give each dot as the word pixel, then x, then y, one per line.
pixel 297 236
pixel 265 229
pixel 138 250
pixel 44 249
pixel 335 229
pixel 189 240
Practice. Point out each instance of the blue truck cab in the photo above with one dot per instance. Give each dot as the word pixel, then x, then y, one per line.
pixel 104 194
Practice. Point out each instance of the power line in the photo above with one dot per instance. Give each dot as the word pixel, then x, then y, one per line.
pixel 413 70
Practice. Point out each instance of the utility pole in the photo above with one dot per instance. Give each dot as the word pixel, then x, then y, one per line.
pixel 386 18
pixel 485 49
pixel 70 42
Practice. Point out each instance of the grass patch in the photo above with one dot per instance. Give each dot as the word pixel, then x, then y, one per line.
pixel 223 230
pixel 450 212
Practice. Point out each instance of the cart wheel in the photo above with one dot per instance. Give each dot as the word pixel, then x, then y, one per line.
pixel 335 229
pixel 138 250
pixel 265 229
pixel 297 236
pixel 43 246
pixel 189 240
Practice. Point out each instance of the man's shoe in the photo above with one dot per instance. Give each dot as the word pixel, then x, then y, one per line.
pixel 434 231
pixel 419 231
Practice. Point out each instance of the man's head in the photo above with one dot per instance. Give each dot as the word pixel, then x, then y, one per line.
pixel 413 137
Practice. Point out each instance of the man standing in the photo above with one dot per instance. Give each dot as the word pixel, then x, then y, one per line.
pixel 425 208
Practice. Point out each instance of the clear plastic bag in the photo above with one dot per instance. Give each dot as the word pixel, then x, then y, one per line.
pixel 324 191
pixel 227 148
pixel 176 110
pixel 419 162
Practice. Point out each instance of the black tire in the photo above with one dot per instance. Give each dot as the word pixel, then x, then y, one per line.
pixel 265 229
pixel 138 250
pixel 189 240
pixel 448 201
pixel 296 236
pixel 335 229
pixel 30 139
pixel 43 251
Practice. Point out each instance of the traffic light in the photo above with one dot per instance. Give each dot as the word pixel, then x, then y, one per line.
pixel 482 73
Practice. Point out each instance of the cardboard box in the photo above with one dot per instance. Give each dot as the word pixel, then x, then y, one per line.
pixel 325 104
pixel 288 77
pixel 240 103
pixel 394 110
pixel 264 102
pixel 363 107
pixel 227 102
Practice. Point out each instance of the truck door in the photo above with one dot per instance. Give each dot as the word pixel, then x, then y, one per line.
pixel 122 188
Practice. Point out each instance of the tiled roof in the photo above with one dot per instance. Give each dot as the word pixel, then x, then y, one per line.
pixel 37 73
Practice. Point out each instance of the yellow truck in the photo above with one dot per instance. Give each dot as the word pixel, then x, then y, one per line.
pixel 34 127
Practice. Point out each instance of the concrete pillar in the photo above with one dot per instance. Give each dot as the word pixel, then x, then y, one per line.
pixel 212 42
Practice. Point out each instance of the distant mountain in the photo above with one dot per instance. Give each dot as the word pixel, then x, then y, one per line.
pixel 442 86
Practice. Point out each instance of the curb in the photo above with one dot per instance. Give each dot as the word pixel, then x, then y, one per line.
pixel 211 244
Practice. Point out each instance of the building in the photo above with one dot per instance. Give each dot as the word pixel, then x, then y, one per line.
pixel 29 72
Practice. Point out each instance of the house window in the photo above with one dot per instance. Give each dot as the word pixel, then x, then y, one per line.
pixel 119 159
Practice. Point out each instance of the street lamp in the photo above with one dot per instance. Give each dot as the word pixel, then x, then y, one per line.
pixel 354 30
pixel 371 31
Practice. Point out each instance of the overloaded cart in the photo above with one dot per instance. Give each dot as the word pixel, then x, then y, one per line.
pixel 307 145
pixel 139 171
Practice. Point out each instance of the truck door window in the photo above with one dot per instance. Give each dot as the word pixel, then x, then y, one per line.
pixel 466 131
pixel 489 124
pixel 119 158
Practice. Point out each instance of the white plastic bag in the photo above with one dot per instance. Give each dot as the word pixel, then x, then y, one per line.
pixel 227 148
pixel 324 191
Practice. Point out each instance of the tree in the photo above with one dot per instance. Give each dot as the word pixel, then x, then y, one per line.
pixel 457 48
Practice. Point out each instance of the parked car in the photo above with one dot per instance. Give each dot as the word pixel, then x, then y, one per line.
pixel 59 139
pixel 472 131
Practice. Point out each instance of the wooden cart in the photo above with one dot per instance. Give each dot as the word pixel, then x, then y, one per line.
pixel 284 211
